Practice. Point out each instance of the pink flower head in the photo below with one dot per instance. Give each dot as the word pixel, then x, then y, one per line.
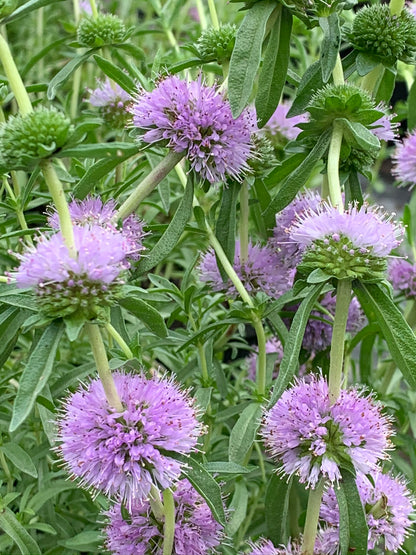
pixel 197 120
pixel 384 129
pixel 108 94
pixel 402 275
pixel 124 454
pixel 196 531
pixel 280 124
pixel 311 437
pixel 404 160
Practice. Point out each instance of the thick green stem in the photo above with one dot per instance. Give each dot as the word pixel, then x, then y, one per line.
pixel 244 215
pixel 6 469
pixel 312 518
pixel 201 14
pixel 58 196
pixel 396 6
pixel 119 340
pixel 150 182
pixel 261 357
pixel 336 356
pixel 169 527
pixel 213 14
pixel 103 368
pixel 338 72
pixel 371 80
pixel 15 81
pixel 19 212
pixel 94 8
pixel 334 184
pixel 77 11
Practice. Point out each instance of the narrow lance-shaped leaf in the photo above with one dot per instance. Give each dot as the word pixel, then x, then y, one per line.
pixel 116 74
pixel 19 458
pixel 150 317
pixel 273 72
pixel 277 508
pixel 15 530
pixel 244 433
pixel 353 530
pixel 246 56
pixel 28 7
pixel 330 44
pixel 66 72
pixel 226 223
pixel 400 338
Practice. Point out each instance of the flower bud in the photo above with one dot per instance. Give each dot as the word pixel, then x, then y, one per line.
pixel 101 30
pixel 217 44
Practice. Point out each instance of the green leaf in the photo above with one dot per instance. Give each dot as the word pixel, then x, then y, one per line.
pixel 310 82
pixel 88 541
pixel 226 223
pixel 26 8
pixel 411 107
pixel 17 532
pixel 19 458
pixel 359 136
pixel 296 180
pixel 206 486
pixel 353 191
pixel 386 88
pixel 365 64
pixel 150 317
pixel 282 171
pixel 277 508
pixel 171 236
pixel 408 223
pixel 116 74
pixel 66 72
pixel 401 340
pixel 48 492
pixel 353 530
pixel 272 77
pixel 237 508
pixel 73 326
pixel 290 361
pixel 227 468
pixel 244 433
pixel 330 44
pixel 245 59
pixel 98 150
pixel 35 375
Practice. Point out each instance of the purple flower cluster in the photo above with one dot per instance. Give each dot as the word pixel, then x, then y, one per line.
pixel 404 160
pixel 196 120
pixel 311 437
pixel 112 101
pixel 280 125
pixel 388 505
pixel 124 454
pixel 196 531
pixel 260 272
pixel 402 275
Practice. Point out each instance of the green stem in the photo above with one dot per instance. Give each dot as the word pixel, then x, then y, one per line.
pixel 201 14
pixel 338 72
pixel 76 85
pixel 172 40
pixel 103 368
pixel 150 182
pixel 396 6
pixel 334 184
pixel 119 340
pixel 312 518
pixel 213 14
pixel 15 81
pixel 244 215
pixel 19 212
pixel 77 11
pixel 261 357
pixel 371 80
pixel 203 362
pixel 94 8
pixel 156 504
pixel 261 462
pixel 169 527
pixel 325 187
pixel 58 196
pixel 336 356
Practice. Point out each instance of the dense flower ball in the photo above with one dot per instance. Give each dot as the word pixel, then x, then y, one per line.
pixel 112 102
pixel 388 505
pixel 402 275
pixel 82 285
pixel 124 454
pixel 101 30
pixel 312 439
pixel 196 120
pixel 273 345
pixel 280 127
pixel 404 160
pixel 196 531
pixel 260 272
pixel 94 212
pixel 25 139
pixel 351 244
pixel 216 45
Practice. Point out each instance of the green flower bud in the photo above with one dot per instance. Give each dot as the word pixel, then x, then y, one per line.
pixel 100 31
pixel 26 139
pixel 7 7
pixel 217 44
pixel 384 37
pixel 355 159
pixel 263 156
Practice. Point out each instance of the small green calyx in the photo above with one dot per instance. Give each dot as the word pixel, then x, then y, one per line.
pixel 115 116
pixel 103 30
pixel 7 7
pixel 26 139
pixel 384 37
pixel 263 157
pixel 216 45
pixel 339 258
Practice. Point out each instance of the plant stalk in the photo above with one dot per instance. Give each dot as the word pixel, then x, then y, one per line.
pixel 15 81
pixel 244 216
pixel 312 517
pixel 334 184
pixel 119 340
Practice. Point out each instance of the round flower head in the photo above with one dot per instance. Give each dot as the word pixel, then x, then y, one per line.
pixel 196 120
pixel 352 244
pixel 81 285
pixel 196 531
pixel 94 212
pixel 216 45
pixel 101 30
pixel 112 102
pixel 388 505
pixel 124 454
pixel 318 332
pixel 402 275
pixel 260 272
pixel 311 438
pixel 280 127
pixel 273 345
pixel 404 161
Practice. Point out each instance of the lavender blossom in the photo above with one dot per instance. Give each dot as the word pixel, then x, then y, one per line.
pixel 388 505
pixel 351 244
pixel 196 531
pixel 280 125
pixel 260 272
pixel 196 120
pixel 312 438
pixel 124 454
pixel 94 212
pixel 404 160
pixel 384 129
pixel 402 275
pixel 294 547
pixel 112 101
